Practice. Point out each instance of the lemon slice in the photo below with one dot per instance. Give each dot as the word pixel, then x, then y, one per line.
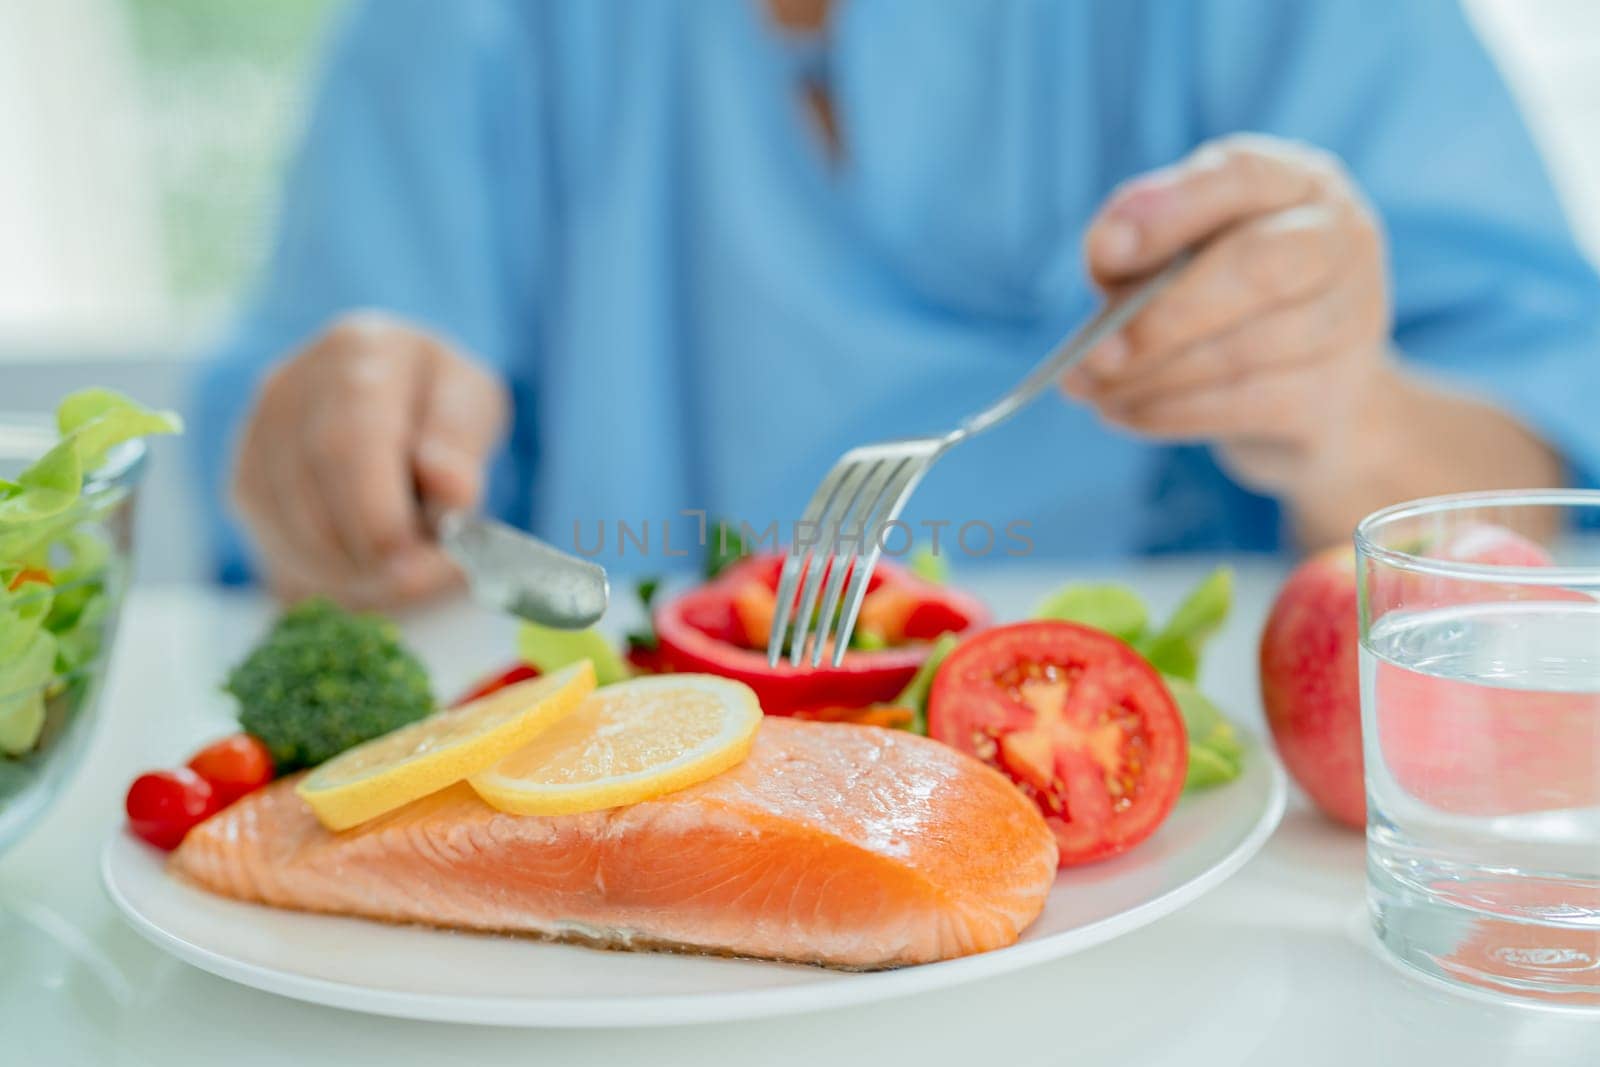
pixel 626 743
pixel 424 757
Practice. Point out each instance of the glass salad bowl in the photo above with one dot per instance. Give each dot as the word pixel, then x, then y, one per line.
pixel 63 571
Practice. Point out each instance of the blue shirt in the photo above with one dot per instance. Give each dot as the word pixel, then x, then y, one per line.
pixel 622 206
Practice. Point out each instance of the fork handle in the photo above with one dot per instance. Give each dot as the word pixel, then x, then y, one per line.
pixel 1112 316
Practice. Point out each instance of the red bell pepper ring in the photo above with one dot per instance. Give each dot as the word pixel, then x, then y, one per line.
pixel 705 631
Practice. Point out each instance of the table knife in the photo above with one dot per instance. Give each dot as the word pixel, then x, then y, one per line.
pixel 515 572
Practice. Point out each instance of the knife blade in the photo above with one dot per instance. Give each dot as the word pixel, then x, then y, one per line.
pixel 514 572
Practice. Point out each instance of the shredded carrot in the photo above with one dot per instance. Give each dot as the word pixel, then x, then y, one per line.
pixel 892 716
pixel 29 574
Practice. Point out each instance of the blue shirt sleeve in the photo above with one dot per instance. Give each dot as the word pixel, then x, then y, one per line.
pixel 417 190
pixel 1491 293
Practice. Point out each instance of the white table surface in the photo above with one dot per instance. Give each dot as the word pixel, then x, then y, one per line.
pixel 1274 967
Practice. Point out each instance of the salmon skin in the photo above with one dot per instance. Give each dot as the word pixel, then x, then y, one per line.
pixel 846 846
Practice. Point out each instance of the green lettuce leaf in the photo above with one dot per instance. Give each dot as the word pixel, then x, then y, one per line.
pixel 101 419
pixel 1175 648
pixel 38 505
pixel 1216 755
pixel 23 680
pixel 915 694
pixel 1208 767
pixel 46 489
pixel 86 405
pixel 79 643
pixel 1173 657
pixel 54 630
pixel 80 579
pixel 1107 606
pixel 78 616
pixel 22 614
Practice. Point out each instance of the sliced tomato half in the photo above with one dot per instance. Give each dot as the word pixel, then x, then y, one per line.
pixel 1077 719
pixel 721 628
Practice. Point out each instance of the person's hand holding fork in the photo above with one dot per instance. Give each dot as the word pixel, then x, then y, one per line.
pixel 1273 344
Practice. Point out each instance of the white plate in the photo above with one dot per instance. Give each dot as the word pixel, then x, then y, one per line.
pixel 420 973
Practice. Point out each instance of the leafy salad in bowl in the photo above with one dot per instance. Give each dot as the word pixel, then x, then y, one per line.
pixel 66 503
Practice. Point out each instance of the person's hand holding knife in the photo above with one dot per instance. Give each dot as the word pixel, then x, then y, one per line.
pixel 350 440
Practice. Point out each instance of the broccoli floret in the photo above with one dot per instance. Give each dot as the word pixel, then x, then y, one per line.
pixel 325 680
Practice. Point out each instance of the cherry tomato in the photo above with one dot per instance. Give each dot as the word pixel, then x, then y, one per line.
pixel 1077 719
pixel 519 672
pixel 162 806
pixel 234 766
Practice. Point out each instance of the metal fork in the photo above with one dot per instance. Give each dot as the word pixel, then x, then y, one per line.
pixel 869 485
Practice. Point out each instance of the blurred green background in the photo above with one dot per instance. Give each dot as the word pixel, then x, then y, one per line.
pixel 224 84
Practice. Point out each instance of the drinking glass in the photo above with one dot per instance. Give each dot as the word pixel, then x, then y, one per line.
pixel 1480 718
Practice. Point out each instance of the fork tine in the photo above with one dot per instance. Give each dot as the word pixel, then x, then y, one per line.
pixel 793 570
pixel 849 490
pixel 893 497
pixel 883 474
pixel 794 567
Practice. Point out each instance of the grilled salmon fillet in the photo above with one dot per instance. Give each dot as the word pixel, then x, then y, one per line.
pixel 849 846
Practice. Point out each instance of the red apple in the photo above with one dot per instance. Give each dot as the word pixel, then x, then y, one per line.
pixel 1310 679
pixel 1310 684
pixel 1463 748
pixel 1484 542
pixel 1309 672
